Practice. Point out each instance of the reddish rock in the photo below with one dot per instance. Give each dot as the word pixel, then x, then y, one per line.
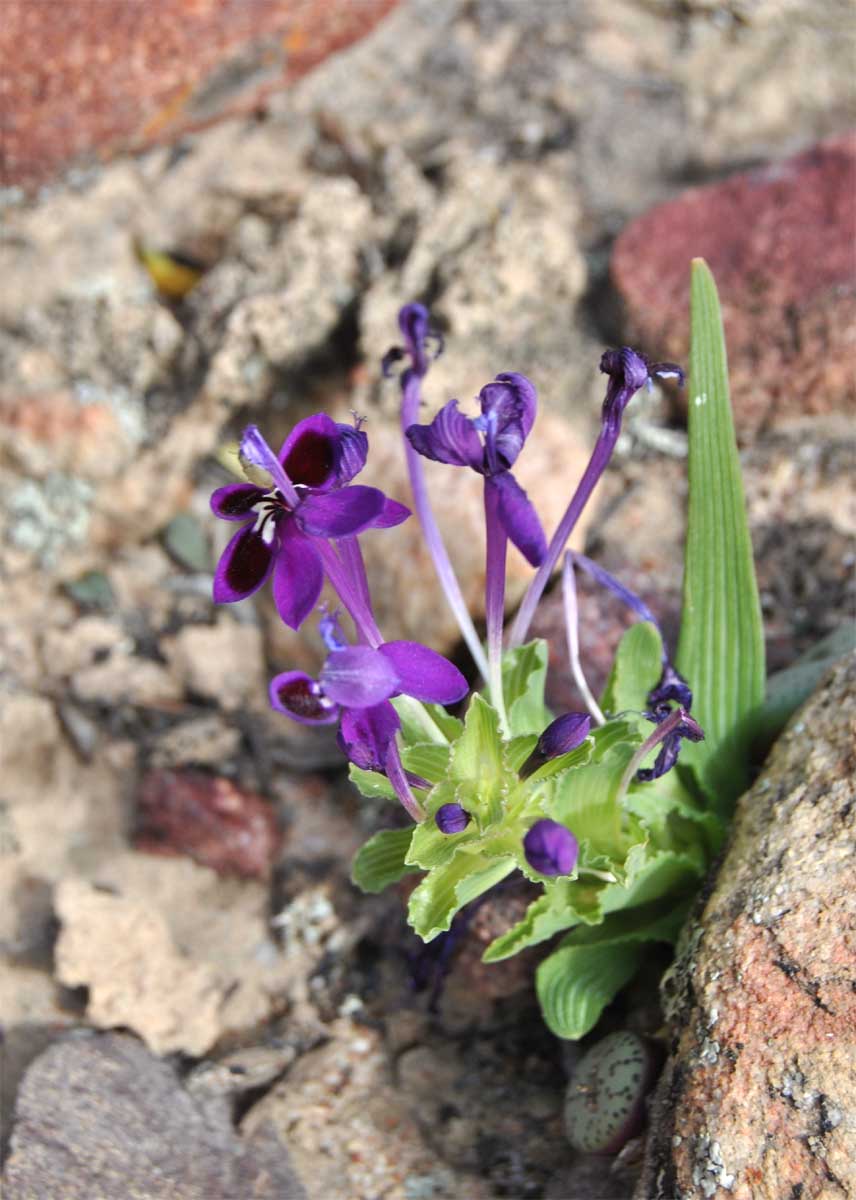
pixel 94 78
pixel 210 819
pixel 758 1101
pixel 780 244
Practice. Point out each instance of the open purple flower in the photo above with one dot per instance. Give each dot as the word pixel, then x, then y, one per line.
pixel 355 686
pixel 550 848
pixel 490 445
pixel 306 499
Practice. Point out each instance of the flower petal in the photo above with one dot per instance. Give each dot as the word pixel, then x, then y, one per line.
pixel 425 674
pixel 519 519
pixel 245 564
pixel 391 514
pixel 309 452
pixel 359 677
pixel 301 698
pixel 256 456
pixel 298 577
pixel 508 408
pixel 235 501
pixel 365 735
pixel 339 514
pixel 450 438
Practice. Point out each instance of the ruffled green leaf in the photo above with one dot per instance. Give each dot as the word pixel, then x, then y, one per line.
pixel 564 904
pixel 381 861
pixel 429 760
pixel 476 764
pixel 579 979
pixel 636 669
pixel 445 890
pixel 524 677
pixel 371 784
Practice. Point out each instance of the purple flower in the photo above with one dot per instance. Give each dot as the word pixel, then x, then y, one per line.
pixel 305 499
pixel 560 737
pixel 490 445
pixel 675 725
pixel 451 818
pixel 550 848
pixel 628 371
pixel 355 687
pixel 415 325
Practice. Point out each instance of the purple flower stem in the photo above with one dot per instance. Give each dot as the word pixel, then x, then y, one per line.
pixel 411 396
pixel 352 557
pixel 660 734
pixel 569 597
pixel 494 597
pixel 597 464
pixel 342 583
pixel 397 777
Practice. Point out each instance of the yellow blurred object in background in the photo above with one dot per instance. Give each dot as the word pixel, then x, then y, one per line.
pixel 174 274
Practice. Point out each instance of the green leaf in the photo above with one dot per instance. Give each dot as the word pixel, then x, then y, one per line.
pixel 636 670
pixel 524 677
pixel 579 979
pixel 430 760
pixel 721 647
pixel 371 784
pixel 564 904
pixel 447 889
pixel 425 722
pixel 476 764
pixel 587 801
pixel 381 861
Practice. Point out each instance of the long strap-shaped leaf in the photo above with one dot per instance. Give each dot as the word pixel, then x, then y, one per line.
pixel 721 648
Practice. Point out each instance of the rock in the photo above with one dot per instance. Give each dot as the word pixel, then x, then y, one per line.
pixel 99 1115
pixel 210 819
pixel 776 240
pixel 223 662
pixel 346 1129
pixel 170 951
pixel 758 1099
pixel 185 539
pixel 201 741
pixel 175 70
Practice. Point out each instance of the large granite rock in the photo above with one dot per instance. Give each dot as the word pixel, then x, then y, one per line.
pixel 758 1100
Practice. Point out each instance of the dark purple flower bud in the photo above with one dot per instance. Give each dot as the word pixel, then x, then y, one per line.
pixel 451 818
pixel 560 737
pixel 550 848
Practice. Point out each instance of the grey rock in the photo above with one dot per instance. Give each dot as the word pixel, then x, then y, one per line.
pixel 101 1117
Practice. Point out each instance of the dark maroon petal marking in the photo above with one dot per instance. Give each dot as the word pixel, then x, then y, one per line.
pixel 243 567
pixel 310 451
pixel 235 501
pixel 300 697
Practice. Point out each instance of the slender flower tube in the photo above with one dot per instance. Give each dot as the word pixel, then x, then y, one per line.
pixel 628 371
pixel 413 322
pixel 287 521
pixel 572 633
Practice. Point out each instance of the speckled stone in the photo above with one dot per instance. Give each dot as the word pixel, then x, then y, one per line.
pixel 758 1101
pixel 779 241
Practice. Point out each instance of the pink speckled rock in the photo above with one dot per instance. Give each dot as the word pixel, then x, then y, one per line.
pixel 780 243
pixel 90 79
pixel 758 1101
